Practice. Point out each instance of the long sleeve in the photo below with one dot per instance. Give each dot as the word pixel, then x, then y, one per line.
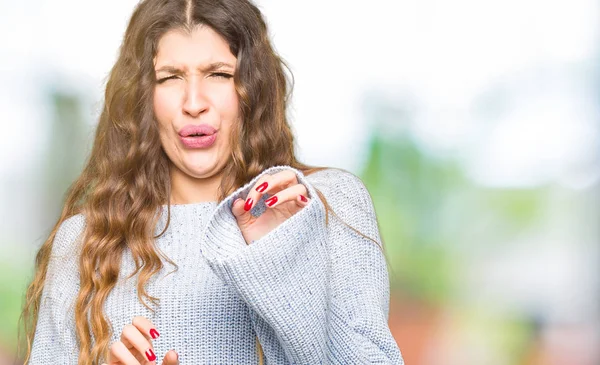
pixel 321 291
pixel 55 339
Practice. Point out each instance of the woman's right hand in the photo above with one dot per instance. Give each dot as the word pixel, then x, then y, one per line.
pixel 135 346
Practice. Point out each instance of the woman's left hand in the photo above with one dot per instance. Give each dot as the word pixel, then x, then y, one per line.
pixel 288 197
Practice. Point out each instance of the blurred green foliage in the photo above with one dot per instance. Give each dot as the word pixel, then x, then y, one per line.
pixel 430 212
pixel 13 282
pixel 408 189
pixel 67 148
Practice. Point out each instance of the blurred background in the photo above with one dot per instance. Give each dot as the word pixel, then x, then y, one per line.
pixel 474 125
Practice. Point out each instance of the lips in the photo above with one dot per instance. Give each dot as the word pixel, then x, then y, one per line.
pixel 191 130
pixel 199 142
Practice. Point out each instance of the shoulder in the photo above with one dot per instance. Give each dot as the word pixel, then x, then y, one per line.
pixel 68 234
pixel 346 194
pixel 336 184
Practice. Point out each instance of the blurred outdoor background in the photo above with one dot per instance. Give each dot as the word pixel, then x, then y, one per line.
pixel 474 124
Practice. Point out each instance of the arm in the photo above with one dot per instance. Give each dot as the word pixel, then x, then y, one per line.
pixel 321 291
pixel 55 341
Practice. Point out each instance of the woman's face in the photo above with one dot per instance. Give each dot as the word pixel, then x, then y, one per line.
pixel 194 74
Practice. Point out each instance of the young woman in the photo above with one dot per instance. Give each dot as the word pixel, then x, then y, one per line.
pixel 194 235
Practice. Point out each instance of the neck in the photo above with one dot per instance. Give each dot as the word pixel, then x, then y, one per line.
pixel 186 189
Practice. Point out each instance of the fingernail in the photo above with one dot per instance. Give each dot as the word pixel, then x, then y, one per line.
pixel 272 200
pixel 150 355
pixel 303 198
pixel 248 204
pixel 262 187
pixel 154 333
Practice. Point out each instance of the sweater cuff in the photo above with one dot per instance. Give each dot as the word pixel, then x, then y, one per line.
pixel 222 236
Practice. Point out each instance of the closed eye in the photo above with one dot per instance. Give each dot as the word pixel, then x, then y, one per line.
pixel 160 81
pixel 221 75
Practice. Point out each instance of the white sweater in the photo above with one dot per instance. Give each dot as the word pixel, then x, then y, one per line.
pixel 314 294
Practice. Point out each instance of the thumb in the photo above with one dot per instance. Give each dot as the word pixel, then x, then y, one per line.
pixel 237 208
pixel 171 358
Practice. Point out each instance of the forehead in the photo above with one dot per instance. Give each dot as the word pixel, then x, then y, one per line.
pixel 202 46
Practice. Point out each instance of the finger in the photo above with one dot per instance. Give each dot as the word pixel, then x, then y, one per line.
pixel 119 354
pixel 171 358
pixel 269 184
pixel 146 327
pixel 302 200
pixel 131 337
pixel 287 195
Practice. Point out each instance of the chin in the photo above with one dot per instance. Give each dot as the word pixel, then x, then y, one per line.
pixel 200 167
pixel 198 173
pixel 201 172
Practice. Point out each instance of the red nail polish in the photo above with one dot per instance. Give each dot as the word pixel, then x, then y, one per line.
pixel 154 333
pixel 303 198
pixel 272 200
pixel 262 187
pixel 150 355
pixel 248 204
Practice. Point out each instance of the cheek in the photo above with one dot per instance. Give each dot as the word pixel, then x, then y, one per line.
pixel 228 103
pixel 163 105
pixel 164 110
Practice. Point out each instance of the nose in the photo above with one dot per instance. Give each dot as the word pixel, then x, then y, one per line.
pixel 195 98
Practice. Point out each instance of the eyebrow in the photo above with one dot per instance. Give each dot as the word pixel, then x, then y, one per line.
pixel 208 68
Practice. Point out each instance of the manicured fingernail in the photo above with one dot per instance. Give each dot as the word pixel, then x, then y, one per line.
pixel 150 355
pixel 248 204
pixel 272 200
pixel 303 198
pixel 262 187
pixel 154 333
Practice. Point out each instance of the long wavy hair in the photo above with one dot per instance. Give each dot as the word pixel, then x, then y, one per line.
pixel 126 178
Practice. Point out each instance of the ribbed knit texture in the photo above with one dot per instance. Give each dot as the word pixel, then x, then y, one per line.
pixel 314 294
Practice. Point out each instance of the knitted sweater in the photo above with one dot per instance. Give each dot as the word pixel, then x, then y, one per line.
pixel 312 293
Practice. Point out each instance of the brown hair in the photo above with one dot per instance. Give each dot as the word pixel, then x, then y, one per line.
pixel 126 178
